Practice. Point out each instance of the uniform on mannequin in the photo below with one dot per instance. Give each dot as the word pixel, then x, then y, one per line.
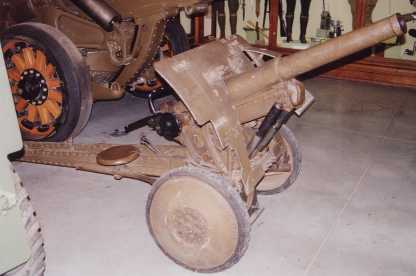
pixel 218 11
pixel 304 18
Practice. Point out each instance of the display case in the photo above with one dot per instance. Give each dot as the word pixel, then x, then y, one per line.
pixel 268 23
pixel 392 62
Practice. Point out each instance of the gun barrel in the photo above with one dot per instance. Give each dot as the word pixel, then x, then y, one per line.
pixel 286 68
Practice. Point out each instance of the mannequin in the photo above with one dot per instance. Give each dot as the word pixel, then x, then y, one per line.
pixel 304 18
pixel 218 11
pixel 369 8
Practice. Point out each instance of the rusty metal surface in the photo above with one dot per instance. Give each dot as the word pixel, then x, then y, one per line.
pixel 118 155
pixel 83 157
pixel 140 39
pixel 199 78
pixel 227 83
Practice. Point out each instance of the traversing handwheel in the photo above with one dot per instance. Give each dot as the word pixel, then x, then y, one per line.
pixel 49 82
pixel 198 219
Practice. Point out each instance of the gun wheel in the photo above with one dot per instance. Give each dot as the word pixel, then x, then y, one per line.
pixel 198 220
pixel 284 172
pixel 46 84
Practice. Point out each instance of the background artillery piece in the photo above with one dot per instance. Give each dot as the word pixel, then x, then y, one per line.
pixel 232 142
pixel 62 55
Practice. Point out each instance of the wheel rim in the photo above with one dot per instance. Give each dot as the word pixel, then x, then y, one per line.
pixel 276 177
pixel 193 223
pixel 36 87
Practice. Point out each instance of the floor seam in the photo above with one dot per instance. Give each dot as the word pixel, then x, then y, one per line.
pixel 337 221
pixel 356 132
pixel 350 131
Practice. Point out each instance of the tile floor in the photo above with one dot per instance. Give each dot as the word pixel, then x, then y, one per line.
pixel 351 212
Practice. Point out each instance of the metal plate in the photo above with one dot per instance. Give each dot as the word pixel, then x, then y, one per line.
pixel 309 100
pixel 119 155
pixel 198 76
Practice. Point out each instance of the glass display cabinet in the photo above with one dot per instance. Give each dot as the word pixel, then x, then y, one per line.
pixel 294 25
pixel 392 62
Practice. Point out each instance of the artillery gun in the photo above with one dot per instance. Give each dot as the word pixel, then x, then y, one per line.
pixel 231 142
pixel 64 54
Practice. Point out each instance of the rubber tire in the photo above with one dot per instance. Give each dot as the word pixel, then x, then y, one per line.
pixel 35 266
pixel 176 35
pixel 225 188
pixel 71 69
pixel 291 140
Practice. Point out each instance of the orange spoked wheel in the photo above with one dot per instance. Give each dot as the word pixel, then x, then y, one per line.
pixel 37 89
pixel 49 82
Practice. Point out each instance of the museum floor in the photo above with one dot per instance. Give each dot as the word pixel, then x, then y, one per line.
pixel 351 212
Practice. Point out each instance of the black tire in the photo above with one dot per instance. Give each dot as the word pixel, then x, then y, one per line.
pixel 176 35
pixel 71 71
pixel 35 266
pixel 174 42
pixel 160 227
pixel 292 146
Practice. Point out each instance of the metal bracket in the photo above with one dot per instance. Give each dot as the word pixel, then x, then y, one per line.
pixel 309 100
pixel 7 202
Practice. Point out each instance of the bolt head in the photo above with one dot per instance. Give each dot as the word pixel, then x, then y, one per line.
pixel 42 81
pixel 25 73
pixel 31 72
pixel 37 75
pixel 45 89
pixel 39 102
pixel 43 97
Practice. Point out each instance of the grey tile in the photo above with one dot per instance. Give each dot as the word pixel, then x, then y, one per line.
pixel 300 218
pixel 294 227
pixel 376 234
pixel 353 106
pixel 403 125
pixel 333 160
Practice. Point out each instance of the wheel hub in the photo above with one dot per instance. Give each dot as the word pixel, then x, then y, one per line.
pixel 33 87
pixel 188 227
